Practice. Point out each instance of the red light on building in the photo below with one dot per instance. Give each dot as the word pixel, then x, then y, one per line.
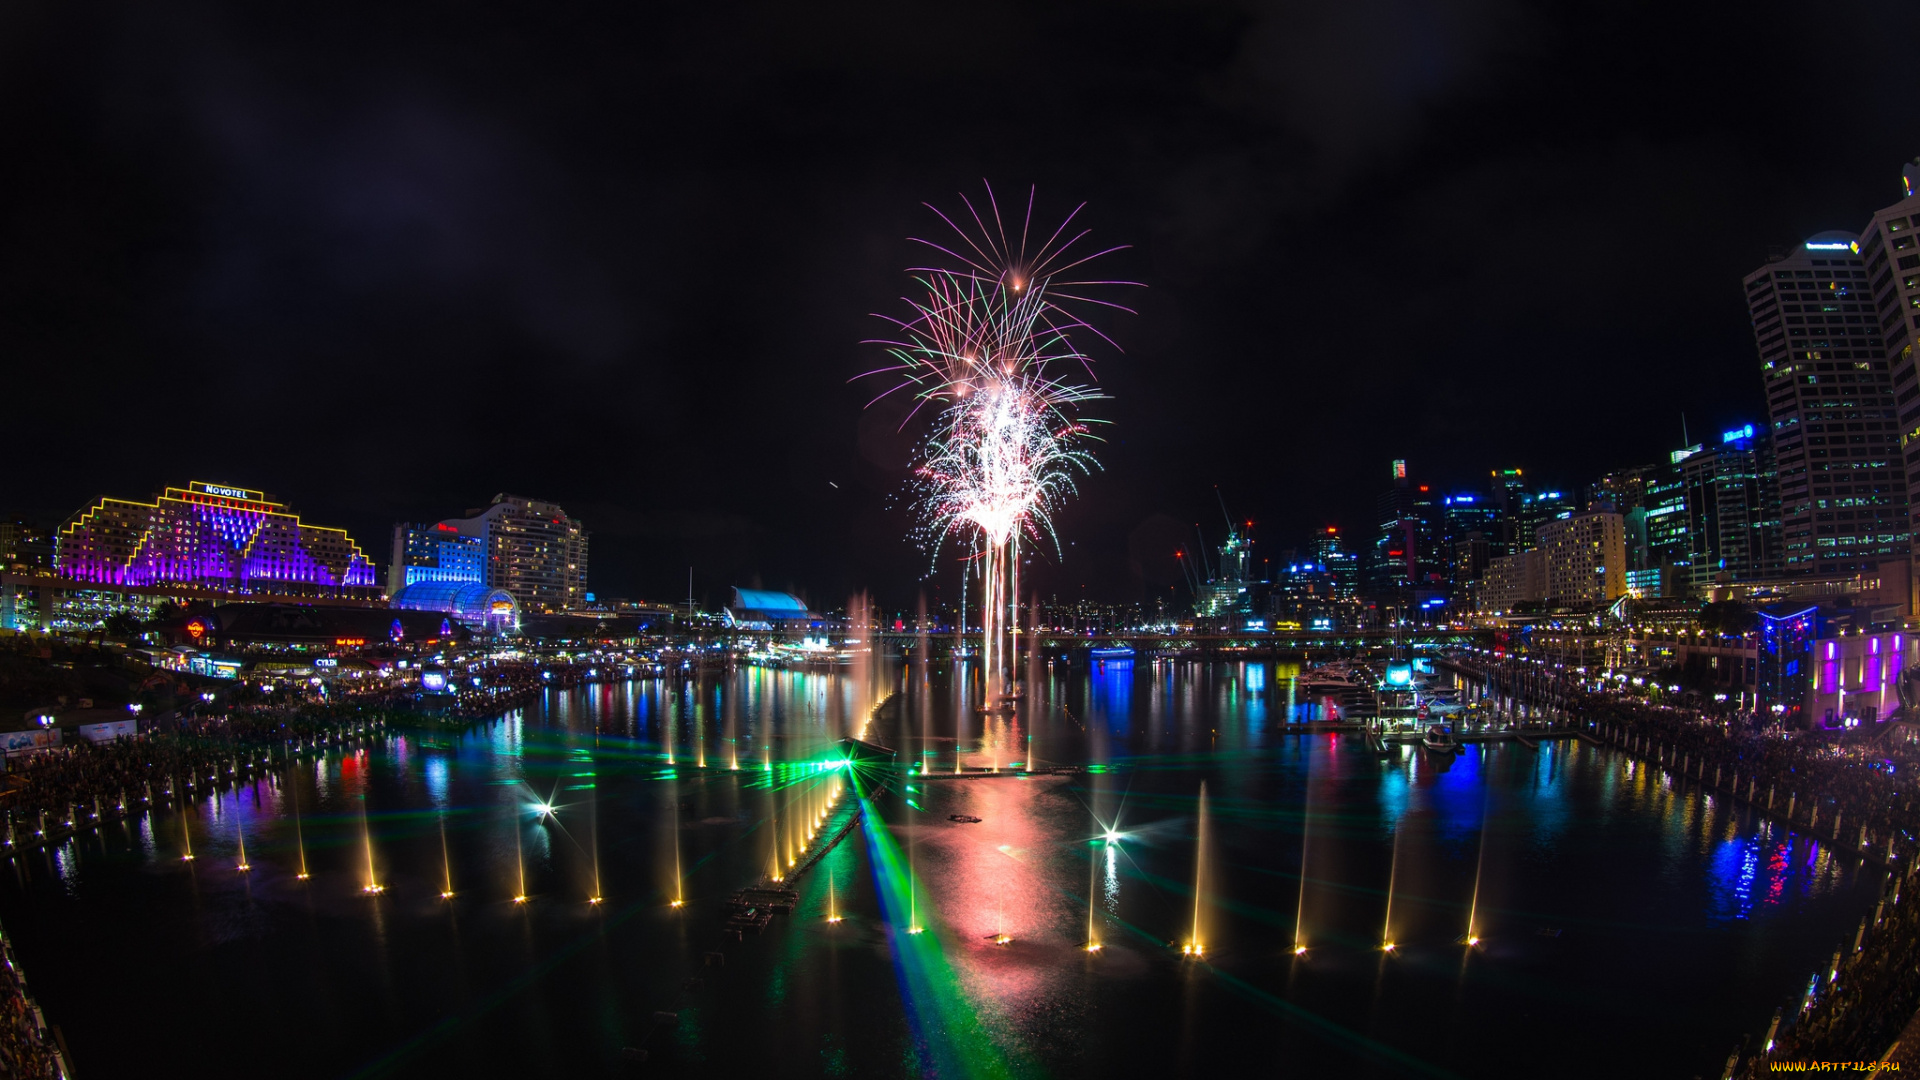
pixel 197 629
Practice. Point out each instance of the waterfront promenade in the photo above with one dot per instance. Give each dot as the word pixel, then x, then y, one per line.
pixel 1848 790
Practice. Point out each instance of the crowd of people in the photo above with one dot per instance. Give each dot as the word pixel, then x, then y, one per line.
pixel 1860 1009
pixel 1819 779
pixel 1859 778
pixel 27 1047
pixel 95 776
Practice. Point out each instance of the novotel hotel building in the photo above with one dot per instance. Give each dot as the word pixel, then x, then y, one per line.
pixel 212 537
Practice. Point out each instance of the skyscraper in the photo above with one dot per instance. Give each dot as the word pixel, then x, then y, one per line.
pixel 1669 545
pixel 1732 507
pixel 1472 531
pixel 1342 566
pixel 1624 492
pixel 1891 251
pixel 1407 563
pixel 1509 493
pixel 1830 401
pixel 1536 509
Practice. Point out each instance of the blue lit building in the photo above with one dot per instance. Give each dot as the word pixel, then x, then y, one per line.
pixel 471 604
pixel 1786 641
pixel 435 553
pixel 764 609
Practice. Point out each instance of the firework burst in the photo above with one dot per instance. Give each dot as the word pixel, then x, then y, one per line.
pixel 981 346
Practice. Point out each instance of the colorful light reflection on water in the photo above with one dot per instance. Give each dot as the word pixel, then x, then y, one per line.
pixel 1678 917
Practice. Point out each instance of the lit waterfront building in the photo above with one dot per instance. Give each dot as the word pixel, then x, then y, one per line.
pixel 533 550
pixel 214 537
pixel 437 553
pixel 1511 580
pixel 476 606
pixel 1585 559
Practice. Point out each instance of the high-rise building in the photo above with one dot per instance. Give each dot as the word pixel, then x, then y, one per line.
pixel 1303 595
pixel 1471 532
pixel 1585 559
pixel 1830 401
pixel 437 553
pixel 1668 567
pixel 1342 566
pixel 1407 564
pixel 1536 509
pixel 1733 510
pixel 1508 492
pixel 1891 250
pixel 533 550
pixel 1624 492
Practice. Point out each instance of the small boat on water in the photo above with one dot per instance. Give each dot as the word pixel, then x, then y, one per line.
pixel 1441 741
pixel 964 819
pixel 1334 676
pixel 1112 652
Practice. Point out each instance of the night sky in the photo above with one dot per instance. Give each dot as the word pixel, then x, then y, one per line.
pixel 385 260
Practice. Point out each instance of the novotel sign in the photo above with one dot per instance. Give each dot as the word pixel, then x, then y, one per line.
pixel 229 492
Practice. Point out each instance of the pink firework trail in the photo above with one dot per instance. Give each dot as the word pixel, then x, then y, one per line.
pixel 980 347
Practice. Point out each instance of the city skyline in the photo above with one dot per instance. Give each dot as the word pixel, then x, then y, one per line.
pixel 1522 213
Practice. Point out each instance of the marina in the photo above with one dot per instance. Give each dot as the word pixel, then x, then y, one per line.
pixel 981 889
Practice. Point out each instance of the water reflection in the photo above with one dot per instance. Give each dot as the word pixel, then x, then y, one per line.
pixel 1575 873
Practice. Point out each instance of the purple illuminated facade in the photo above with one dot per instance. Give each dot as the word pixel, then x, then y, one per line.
pixel 214 537
pixel 1856 677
